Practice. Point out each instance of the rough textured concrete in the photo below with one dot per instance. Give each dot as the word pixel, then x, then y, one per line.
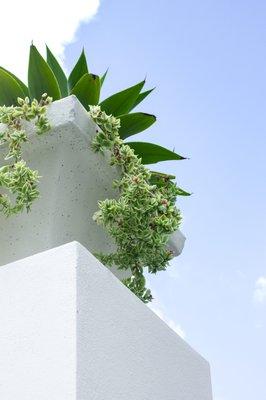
pixel 69 330
pixel 74 179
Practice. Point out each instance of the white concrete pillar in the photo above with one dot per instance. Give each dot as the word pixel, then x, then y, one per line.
pixel 69 330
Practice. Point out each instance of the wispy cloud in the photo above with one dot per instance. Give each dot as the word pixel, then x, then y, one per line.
pixel 260 290
pixel 158 309
pixel 173 272
pixel 51 22
pixel 177 328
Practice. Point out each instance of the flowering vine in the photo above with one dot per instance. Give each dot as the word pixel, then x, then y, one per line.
pixel 141 219
pixel 16 178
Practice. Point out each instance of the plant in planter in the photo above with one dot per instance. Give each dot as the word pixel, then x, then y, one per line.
pixel 143 214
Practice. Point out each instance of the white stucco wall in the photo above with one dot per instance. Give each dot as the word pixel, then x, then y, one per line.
pixel 69 330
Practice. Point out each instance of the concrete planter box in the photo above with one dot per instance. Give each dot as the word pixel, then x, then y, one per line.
pixel 71 331
pixel 74 179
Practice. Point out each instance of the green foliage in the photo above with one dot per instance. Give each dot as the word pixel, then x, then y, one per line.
pixel 10 89
pixel 152 153
pixel 58 72
pixel 78 71
pixel 141 97
pixel 122 102
pixel 142 218
pixel 159 178
pixel 15 177
pixel 133 123
pixel 19 82
pixel 47 76
pixel 40 77
pixel 88 89
pixel 137 285
pixel 103 77
pixel 21 181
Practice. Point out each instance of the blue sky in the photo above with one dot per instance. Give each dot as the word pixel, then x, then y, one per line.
pixel 207 61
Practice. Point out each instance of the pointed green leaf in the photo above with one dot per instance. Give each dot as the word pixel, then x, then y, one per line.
pixel 141 97
pixel 103 77
pixel 40 77
pixel 78 71
pixel 58 72
pixel 122 102
pixel 182 192
pixel 20 83
pixel 9 89
pixel 152 153
pixel 87 90
pixel 134 123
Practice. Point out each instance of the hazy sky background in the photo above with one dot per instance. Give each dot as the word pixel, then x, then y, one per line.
pixel 207 60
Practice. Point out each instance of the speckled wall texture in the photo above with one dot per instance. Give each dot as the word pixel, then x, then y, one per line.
pixel 69 330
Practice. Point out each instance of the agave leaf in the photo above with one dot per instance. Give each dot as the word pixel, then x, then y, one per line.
pixel 152 153
pixel 87 90
pixel 103 77
pixel 80 69
pixel 122 102
pixel 20 83
pixel 134 123
pixel 41 78
pixel 182 192
pixel 10 90
pixel 141 97
pixel 58 72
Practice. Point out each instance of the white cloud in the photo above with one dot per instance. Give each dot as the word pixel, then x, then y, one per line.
pixel 177 328
pixel 260 290
pixel 173 272
pixel 52 22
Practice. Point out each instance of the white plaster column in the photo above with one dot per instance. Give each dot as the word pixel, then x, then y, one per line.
pixel 69 330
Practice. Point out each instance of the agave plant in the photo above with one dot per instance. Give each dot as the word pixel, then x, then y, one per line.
pixel 47 76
